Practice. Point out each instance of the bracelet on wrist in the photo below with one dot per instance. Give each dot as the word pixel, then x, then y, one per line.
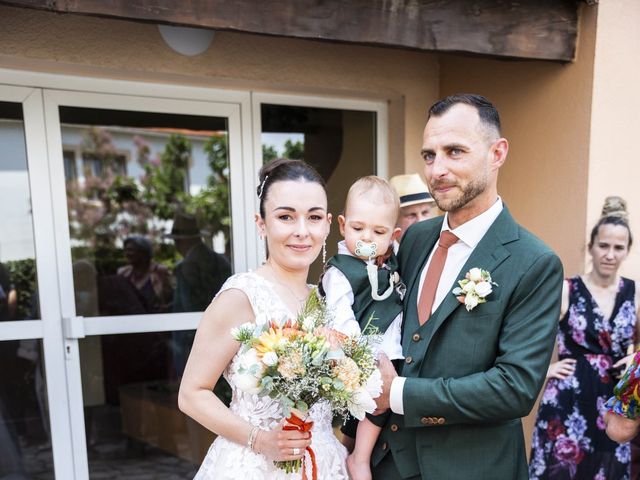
pixel 252 438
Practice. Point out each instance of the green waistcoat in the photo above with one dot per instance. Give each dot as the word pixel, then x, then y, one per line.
pixel 364 306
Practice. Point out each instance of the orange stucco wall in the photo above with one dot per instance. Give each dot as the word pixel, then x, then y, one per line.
pixel 614 165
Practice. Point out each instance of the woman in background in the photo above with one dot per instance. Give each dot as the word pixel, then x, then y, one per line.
pixel 598 323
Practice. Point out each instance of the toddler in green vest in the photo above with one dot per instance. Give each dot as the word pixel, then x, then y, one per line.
pixel 361 283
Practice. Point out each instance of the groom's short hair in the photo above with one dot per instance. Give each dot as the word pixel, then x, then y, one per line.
pixel 486 111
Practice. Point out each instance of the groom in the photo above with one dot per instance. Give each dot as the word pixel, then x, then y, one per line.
pixel 470 371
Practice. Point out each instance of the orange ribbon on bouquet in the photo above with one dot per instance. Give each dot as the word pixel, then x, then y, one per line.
pixel 296 423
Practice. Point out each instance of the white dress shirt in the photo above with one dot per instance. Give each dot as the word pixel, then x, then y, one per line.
pixel 469 235
pixel 339 298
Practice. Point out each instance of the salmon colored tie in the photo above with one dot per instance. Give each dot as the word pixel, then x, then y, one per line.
pixel 431 280
pixel 296 423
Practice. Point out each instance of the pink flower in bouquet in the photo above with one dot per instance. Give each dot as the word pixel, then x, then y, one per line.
pixel 334 337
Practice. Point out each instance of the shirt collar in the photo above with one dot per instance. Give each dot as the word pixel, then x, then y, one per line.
pixel 343 250
pixel 471 232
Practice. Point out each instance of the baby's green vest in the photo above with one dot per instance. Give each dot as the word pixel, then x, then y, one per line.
pixel 364 306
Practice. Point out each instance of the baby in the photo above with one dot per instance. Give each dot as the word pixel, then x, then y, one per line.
pixel 361 283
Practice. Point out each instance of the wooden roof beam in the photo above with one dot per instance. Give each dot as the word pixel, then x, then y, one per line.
pixel 540 29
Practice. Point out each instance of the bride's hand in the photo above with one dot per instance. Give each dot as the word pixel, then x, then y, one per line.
pixel 279 444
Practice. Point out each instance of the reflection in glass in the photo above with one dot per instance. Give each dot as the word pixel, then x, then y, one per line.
pixel 149 211
pixel 131 411
pixel 25 446
pixel 340 144
pixel 18 295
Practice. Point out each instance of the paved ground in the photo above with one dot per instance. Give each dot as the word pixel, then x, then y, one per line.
pixel 124 459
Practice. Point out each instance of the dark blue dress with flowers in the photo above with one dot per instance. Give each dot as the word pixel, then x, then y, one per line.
pixel 569 440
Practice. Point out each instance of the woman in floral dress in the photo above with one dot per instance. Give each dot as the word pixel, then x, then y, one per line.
pixel 595 338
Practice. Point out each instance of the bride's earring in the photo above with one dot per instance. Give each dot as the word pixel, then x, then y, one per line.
pixel 263 253
pixel 324 252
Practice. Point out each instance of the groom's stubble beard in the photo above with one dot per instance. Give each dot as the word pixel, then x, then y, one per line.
pixel 468 192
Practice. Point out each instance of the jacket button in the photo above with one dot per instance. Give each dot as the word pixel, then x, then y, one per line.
pixel 440 421
pixel 424 421
pixel 384 446
pixel 394 428
pixel 416 337
pixel 408 360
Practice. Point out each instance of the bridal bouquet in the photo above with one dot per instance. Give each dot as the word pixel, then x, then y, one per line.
pixel 300 362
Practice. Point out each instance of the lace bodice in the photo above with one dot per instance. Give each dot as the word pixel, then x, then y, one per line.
pixel 228 460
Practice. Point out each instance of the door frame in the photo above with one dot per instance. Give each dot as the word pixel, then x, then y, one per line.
pixel 75 327
pixel 47 328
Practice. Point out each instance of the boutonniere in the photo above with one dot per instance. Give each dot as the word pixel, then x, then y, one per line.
pixel 474 288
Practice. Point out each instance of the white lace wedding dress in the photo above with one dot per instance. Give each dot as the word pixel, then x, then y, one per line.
pixel 227 460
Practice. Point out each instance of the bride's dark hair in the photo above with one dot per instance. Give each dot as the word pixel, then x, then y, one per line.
pixel 614 212
pixel 282 169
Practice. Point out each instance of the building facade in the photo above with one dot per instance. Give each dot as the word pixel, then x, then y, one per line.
pixel 108 133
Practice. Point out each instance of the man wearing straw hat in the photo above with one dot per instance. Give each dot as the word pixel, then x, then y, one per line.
pixel 416 203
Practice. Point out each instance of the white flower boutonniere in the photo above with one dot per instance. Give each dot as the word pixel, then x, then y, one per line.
pixel 474 288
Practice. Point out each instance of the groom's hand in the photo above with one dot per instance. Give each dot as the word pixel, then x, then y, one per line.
pixel 388 373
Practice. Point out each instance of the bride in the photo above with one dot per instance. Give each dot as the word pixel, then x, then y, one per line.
pixel 294 221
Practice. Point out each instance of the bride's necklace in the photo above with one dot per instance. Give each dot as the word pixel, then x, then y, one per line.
pixel 298 299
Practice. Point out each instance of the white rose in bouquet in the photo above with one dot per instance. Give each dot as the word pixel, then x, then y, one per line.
pixel 250 358
pixel 247 383
pixel 270 359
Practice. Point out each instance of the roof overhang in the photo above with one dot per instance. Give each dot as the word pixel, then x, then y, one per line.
pixel 529 29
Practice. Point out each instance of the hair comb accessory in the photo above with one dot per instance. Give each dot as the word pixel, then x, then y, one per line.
pixel 261 187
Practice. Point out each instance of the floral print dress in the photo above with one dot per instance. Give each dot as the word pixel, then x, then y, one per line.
pixel 569 439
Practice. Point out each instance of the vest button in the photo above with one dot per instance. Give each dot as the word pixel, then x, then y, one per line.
pixel 384 446
pixel 408 360
pixel 416 337
pixel 394 428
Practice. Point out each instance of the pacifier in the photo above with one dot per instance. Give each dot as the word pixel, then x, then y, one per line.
pixel 366 250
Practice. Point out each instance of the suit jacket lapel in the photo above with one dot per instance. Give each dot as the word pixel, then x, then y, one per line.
pixel 487 255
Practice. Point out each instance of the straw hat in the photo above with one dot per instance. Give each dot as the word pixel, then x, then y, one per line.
pixel 185 225
pixel 410 189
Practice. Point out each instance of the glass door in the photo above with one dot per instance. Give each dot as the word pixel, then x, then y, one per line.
pixel 149 219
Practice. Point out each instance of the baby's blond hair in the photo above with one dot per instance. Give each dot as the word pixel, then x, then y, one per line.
pixel 384 192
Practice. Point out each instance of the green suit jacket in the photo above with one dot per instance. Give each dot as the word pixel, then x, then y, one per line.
pixel 471 375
